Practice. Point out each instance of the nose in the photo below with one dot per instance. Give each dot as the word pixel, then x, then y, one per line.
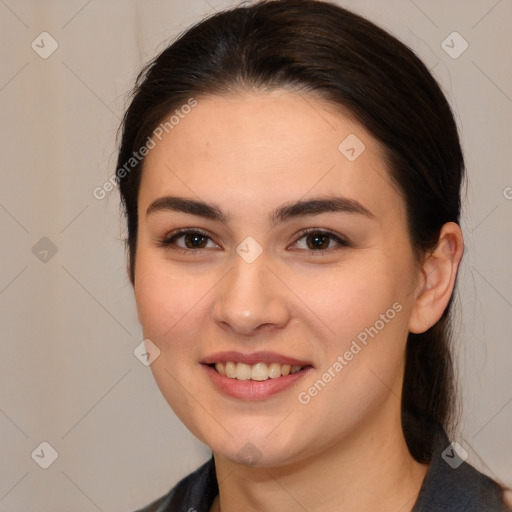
pixel 251 299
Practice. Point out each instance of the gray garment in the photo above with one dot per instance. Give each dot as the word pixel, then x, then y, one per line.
pixel 450 485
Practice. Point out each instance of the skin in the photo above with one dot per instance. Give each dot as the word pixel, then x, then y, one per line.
pixel 250 153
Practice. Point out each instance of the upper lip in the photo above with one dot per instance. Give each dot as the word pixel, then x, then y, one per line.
pixel 252 358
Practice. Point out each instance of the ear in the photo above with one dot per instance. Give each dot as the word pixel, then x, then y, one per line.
pixel 437 279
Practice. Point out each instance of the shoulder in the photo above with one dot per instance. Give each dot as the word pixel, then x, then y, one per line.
pixel 195 492
pixel 453 485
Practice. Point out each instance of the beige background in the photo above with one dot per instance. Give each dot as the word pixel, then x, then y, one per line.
pixel 68 375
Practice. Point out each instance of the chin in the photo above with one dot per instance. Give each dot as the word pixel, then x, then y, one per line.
pixel 256 447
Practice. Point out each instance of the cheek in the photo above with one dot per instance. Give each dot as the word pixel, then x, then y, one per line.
pixel 164 297
pixel 350 299
pixel 169 309
pixel 361 357
pixel 363 316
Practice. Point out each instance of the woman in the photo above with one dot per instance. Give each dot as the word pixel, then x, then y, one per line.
pixel 291 179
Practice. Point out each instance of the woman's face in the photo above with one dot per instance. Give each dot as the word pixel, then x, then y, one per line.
pixel 251 287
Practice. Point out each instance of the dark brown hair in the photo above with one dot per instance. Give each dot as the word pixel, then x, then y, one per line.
pixel 319 48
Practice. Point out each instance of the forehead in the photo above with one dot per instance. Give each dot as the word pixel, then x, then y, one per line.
pixel 261 149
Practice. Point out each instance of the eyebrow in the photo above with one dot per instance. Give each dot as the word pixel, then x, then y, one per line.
pixel 302 208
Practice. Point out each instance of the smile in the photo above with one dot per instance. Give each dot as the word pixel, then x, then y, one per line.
pixel 258 371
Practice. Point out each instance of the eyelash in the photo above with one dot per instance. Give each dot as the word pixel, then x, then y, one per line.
pixel 171 238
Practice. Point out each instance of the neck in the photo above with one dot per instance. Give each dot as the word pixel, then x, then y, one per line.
pixel 369 470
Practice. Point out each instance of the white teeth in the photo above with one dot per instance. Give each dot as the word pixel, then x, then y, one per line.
pixel 258 372
pixel 274 370
pixel 230 370
pixel 220 368
pixel 243 371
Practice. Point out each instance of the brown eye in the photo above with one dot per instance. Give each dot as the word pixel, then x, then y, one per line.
pixel 320 240
pixel 193 239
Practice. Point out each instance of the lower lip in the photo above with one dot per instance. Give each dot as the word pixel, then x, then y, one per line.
pixel 253 389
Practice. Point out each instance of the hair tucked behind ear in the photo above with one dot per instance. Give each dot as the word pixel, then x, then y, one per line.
pixel 320 48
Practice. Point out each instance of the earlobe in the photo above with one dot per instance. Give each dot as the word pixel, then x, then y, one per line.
pixel 438 277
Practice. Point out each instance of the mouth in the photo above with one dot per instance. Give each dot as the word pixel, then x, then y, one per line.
pixel 260 371
pixel 254 377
